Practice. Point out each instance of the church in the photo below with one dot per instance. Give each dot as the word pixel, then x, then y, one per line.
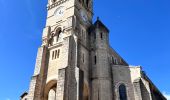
pixel 76 61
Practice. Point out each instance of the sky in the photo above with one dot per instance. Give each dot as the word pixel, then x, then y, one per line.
pixel 139 32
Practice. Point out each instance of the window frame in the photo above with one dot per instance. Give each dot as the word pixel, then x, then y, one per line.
pixel 126 92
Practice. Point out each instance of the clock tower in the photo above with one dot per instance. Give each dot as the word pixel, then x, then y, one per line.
pixel 62 65
pixel 76 62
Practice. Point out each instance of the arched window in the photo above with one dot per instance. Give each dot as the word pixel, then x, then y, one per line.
pixel 52 94
pixel 58 35
pixel 50 90
pixel 122 92
pixel 86 2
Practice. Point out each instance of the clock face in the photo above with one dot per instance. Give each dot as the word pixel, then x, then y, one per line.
pixel 59 12
pixel 84 15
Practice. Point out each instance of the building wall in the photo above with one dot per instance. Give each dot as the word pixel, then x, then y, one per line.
pixel 87 67
pixel 122 75
pixel 145 90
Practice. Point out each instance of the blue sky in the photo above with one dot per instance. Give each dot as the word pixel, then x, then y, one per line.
pixel 139 32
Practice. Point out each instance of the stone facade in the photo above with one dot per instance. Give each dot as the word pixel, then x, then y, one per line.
pixel 76 62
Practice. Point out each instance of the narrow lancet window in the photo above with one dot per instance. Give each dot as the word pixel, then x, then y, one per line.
pixel 101 35
pixel 55 54
pixel 59 36
pixel 83 57
pixel 52 55
pixel 58 55
pixel 95 60
pixel 122 92
pixel 87 3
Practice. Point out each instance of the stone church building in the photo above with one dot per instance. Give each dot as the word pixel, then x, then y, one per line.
pixel 76 61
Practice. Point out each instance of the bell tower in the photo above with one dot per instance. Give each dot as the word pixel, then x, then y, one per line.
pixel 62 64
pixel 68 15
pixel 76 62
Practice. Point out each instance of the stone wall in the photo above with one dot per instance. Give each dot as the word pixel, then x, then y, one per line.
pixel 122 75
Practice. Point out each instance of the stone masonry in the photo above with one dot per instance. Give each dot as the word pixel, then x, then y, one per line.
pixel 76 61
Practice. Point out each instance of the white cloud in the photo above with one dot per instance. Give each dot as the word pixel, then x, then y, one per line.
pixel 166 95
